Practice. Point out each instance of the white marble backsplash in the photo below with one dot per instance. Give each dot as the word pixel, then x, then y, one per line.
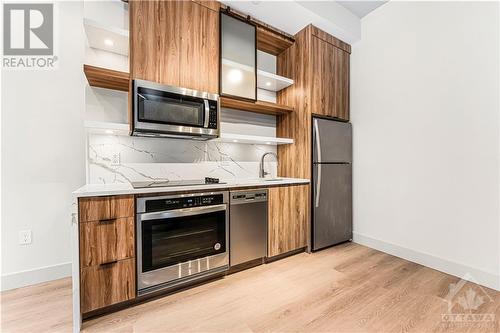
pixel 122 159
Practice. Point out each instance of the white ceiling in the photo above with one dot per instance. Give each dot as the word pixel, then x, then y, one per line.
pixel 359 7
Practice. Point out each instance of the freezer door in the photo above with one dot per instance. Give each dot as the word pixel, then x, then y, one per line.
pixel 332 204
pixel 332 141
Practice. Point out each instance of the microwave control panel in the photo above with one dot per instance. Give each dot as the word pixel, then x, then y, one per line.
pixel 212 114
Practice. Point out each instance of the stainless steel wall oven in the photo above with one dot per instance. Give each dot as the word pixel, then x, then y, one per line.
pixel 181 238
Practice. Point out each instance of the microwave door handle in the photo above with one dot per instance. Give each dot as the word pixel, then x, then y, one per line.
pixel 207 113
pixel 181 212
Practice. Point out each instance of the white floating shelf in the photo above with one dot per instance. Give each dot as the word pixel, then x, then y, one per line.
pixel 265 80
pixel 101 127
pixel 253 139
pixel 272 82
pixel 107 38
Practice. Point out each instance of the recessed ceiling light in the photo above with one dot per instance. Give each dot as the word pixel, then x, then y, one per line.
pixel 108 131
pixel 268 143
pixel 235 75
pixel 235 140
pixel 268 83
pixel 108 42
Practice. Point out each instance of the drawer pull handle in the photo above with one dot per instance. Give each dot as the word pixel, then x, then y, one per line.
pixel 109 263
pixel 107 221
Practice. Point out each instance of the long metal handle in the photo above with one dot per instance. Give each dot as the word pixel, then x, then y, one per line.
pixel 318 149
pixel 182 212
pixel 318 186
pixel 316 138
pixel 207 113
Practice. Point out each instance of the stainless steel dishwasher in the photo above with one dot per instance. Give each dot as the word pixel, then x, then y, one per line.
pixel 247 226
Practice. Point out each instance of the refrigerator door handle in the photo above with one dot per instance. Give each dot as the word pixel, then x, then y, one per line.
pixel 318 186
pixel 316 138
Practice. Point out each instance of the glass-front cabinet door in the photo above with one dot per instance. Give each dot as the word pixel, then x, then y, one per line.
pixel 238 77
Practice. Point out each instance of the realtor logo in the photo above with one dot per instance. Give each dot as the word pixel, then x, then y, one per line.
pixel 28 29
pixel 28 36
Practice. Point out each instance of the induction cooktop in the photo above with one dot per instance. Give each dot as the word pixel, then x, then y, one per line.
pixel 172 183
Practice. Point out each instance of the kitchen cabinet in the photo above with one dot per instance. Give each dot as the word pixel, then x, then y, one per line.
pixel 175 43
pixel 107 251
pixel 319 65
pixel 108 284
pixel 287 219
pixel 238 58
pixel 330 65
pixel 106 241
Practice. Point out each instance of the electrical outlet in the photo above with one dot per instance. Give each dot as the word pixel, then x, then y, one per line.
pixel 115 159
pixel 25 237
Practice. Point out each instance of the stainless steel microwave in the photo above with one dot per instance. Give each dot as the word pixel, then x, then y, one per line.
pixel 166 111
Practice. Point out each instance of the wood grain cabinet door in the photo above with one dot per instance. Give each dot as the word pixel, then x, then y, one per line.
pixel 106 241
pixel 175 43
pixel 105 208
pixel 104 285
pixel 330 70
pixel 287 228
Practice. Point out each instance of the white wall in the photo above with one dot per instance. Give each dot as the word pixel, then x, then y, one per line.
pixel 425 113
pixel 43 157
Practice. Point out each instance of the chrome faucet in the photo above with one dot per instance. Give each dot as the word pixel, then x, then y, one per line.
pixel 262 173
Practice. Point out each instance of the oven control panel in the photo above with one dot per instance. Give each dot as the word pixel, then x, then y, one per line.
pixel 155 205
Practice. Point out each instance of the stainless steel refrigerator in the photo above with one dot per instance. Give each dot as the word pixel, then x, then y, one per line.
pixel 332 183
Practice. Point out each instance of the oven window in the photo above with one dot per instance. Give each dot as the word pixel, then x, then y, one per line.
pixel 167 108
pixel 167 242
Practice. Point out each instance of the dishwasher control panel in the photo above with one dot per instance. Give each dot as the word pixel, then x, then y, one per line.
pixel 248 196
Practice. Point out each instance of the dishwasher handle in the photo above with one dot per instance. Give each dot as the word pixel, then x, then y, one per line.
pixel 245 197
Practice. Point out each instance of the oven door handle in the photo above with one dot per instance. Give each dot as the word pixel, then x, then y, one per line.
pixel 181 212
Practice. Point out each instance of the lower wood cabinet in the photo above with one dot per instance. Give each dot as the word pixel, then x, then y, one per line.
pixel 288 219
pixel 106 241
pixel 107 251
pixel 107 284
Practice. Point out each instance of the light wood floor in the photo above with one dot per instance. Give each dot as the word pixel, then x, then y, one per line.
pixel 348 288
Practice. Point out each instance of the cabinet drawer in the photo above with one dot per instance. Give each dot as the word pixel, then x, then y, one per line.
pixel 105 241
pixel 103 208
pixel 105 285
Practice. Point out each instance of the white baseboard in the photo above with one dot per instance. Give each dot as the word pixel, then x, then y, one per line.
pixel 34 276
pixel 486 279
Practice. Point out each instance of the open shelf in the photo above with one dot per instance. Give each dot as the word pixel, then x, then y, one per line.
pixel 108 128
pixel 107 38
pixel 102 127
pixel 253 139
pixel 107 78
pixel 272 42
pixel 257 106
pixel 272 82
pixel 265 80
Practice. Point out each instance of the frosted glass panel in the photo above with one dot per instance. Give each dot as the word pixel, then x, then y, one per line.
pixel 238 48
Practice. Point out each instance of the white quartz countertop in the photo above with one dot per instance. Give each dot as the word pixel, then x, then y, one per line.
pixel 95 190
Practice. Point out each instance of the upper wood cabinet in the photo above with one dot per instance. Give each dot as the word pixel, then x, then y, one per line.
pixel 319 64
pixel 330 68
pixel 175 43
